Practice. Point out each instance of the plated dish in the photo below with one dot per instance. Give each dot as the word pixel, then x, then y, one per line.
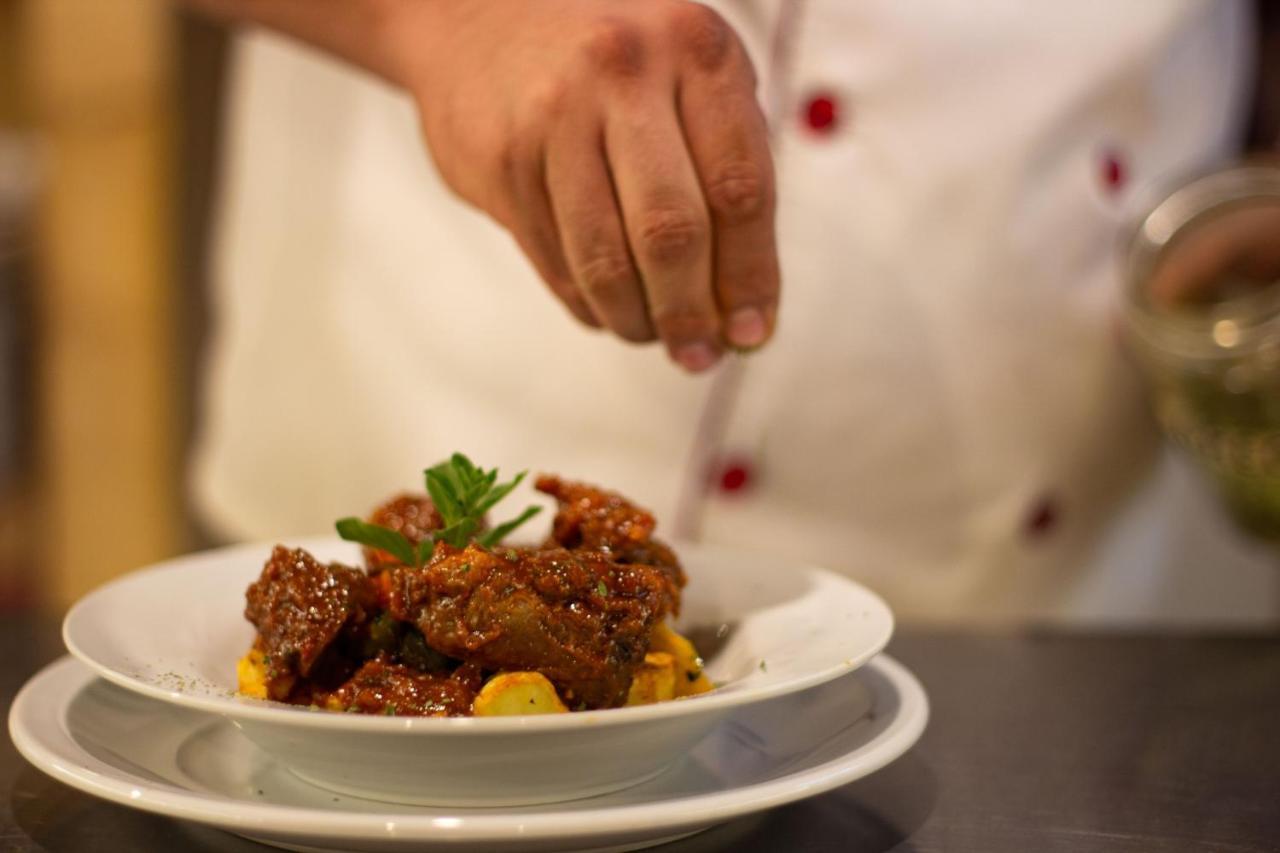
pixel 150 755
pixel 174 632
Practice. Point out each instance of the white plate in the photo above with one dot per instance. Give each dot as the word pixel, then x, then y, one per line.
pixel 187 764
pixel 174 631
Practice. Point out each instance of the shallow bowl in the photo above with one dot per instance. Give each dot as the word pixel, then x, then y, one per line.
pixel 174 631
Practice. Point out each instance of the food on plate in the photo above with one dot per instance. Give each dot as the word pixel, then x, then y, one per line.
pixel 654 681
pixel 690 680
pixel 575 616
pixel 510 694
pixel 592 519
pixel 445 620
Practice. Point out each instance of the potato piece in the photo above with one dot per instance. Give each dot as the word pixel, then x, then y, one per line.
pixel 689 680
pixel 256 678
pixel 511 694
pixel 251 672
pixel 654 681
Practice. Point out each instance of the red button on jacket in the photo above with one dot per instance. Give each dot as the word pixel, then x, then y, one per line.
pixel 822 113
pixel 1113 172
pixel 733 475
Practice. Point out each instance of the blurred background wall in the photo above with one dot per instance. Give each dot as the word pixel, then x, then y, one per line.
pixel 108 128
pixel 107 110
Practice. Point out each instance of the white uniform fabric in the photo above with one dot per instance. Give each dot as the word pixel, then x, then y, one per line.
pixel 946 412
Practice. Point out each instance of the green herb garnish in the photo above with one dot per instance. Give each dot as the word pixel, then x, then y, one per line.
pixel 393 542
pixel 602 588
pixel 462 494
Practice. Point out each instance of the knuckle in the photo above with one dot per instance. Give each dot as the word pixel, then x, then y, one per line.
pixel 548 100
pixel 615 48
pixel 604 274
pixel 738 192
pixel 671 236
pixel 703 35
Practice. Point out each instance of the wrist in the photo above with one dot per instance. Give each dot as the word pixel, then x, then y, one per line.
pixel 372 34
pixel 406 32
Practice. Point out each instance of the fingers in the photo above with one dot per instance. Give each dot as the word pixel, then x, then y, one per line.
pixel 633 169
pixel 1190 270
pixel 728 145
pixel 667 227
pixel 591 232
pixel 531 220
pixel 728 141
pixel 1243 244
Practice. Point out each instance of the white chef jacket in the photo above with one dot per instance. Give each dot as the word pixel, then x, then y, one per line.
pixel 946 412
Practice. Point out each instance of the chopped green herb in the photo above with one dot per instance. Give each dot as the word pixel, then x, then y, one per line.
pixel 602 588
pixel 390 709
pixel 764 667
pixel 512 554
pixel 464 568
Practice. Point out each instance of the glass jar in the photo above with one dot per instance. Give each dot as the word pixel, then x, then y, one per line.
pixel 1202 315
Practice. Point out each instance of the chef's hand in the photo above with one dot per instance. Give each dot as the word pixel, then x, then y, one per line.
pixel 622 146
pixel 619 141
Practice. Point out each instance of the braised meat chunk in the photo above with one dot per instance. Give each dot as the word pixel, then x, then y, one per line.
pixel 301 607
pixel 579 618
pixel 382 687
pixel 594 519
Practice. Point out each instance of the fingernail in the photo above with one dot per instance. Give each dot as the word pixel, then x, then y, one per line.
pixel 747 328
pixel 696 357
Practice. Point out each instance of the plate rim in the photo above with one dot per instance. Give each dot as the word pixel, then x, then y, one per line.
pixel 238 707
pixel 171 800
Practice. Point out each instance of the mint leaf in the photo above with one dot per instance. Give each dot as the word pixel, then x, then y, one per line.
pixel 457 534
pixel 495 535
pixel 500 492
pixel 460 463
pixel 444 493
pixel 382 538
pixel 462 494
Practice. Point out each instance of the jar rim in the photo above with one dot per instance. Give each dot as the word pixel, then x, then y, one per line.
pixel 1177 214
